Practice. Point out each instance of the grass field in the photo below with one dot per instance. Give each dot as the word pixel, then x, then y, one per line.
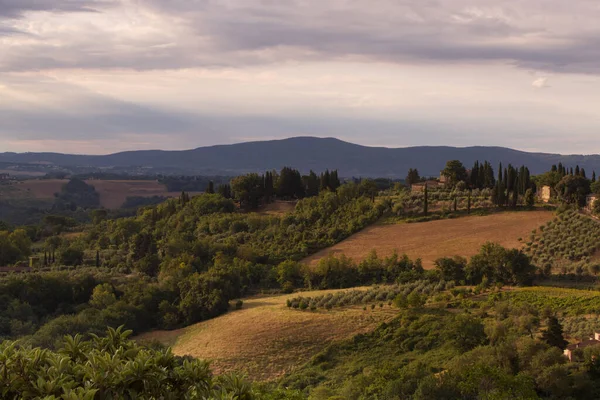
pixel 432 240
pixel 113 193
pixel 265 339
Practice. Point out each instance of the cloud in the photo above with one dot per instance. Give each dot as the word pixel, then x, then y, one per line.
pixel 540 83
pixel 175 34
pixel 16 8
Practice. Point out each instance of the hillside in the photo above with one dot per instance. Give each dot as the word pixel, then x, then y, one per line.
pixel 307 153
pixel 432 240
pixel 266 339
pixel 113 193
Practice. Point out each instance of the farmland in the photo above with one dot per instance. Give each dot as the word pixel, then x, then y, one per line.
pixel 568 243
pixel 113 193
pixel 432 240
pixel 265 339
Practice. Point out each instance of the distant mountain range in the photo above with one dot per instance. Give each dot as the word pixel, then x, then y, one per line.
pixel 306 153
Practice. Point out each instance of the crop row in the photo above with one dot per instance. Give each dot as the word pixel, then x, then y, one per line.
pixel 378 294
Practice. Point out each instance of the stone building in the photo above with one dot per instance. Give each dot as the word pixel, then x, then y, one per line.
pixel 571 349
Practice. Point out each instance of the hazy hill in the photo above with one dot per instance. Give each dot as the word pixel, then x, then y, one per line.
pixel 307 153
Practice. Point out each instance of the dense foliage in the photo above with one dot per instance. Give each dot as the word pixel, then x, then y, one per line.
pixel 189 257
pixel 494 349
pixel 110 367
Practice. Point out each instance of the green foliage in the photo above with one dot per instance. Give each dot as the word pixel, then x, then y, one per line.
pixel 573 189
pixel 454 172
pixel 497 264
pixel 553 335
pixel 110 367
pixel 14 246
pixel 414 294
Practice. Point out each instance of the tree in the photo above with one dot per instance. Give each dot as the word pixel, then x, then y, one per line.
pixel 451 269
pixel 454 172
pixel 71 256
pixel 103 296
pixel 225 191
pixel 290 184
pixel 469 203
pixel 98 215
pixel 311 184
pixel 97 258
pixel 248 190
pixel 425 200
pixel 412 177
pixel 573 189
pixel 529 198
pixel 468 332
pixel 416 300
pixel 210 189
pixel 553 335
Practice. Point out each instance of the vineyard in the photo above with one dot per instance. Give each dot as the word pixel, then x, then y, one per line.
pixel 567 243
pixel 567 302
pixel 414 293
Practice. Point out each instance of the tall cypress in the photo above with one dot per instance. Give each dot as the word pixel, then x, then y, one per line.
pixel 593 176
pixel 469 203
pixel 426 200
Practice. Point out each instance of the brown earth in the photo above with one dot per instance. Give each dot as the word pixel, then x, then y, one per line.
pixel 265 339
pixel 113 193
pixel 278 207
pixel 432 240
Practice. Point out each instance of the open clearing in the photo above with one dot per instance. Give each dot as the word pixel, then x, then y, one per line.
pixel 278 207
pixel 444 238
pixel 113 193
pixel 265 339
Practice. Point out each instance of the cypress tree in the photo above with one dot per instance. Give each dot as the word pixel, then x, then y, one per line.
pixel 577 171
pixel 515 196
pixel 469 203
pixel 97 259
pixel 211 187
pixel 426 200
pixel 45 259
pixel 582 173
pixel 500 173
pixel 553 335
pixel 593 176
pixel 455 203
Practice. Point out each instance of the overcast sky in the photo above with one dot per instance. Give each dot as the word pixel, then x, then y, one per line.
pixel 100 76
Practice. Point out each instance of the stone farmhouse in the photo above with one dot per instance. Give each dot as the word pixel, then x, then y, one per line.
pixel 545 193
pixel 572 348
pixel 4 177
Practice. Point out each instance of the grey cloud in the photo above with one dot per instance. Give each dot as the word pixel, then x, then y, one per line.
pixel 208 33
pixel 16 8
pixel 85 115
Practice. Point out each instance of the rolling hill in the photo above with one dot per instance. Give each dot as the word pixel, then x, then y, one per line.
pixel 307 153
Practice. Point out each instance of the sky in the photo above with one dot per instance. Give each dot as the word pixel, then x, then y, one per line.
pixel 102 76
